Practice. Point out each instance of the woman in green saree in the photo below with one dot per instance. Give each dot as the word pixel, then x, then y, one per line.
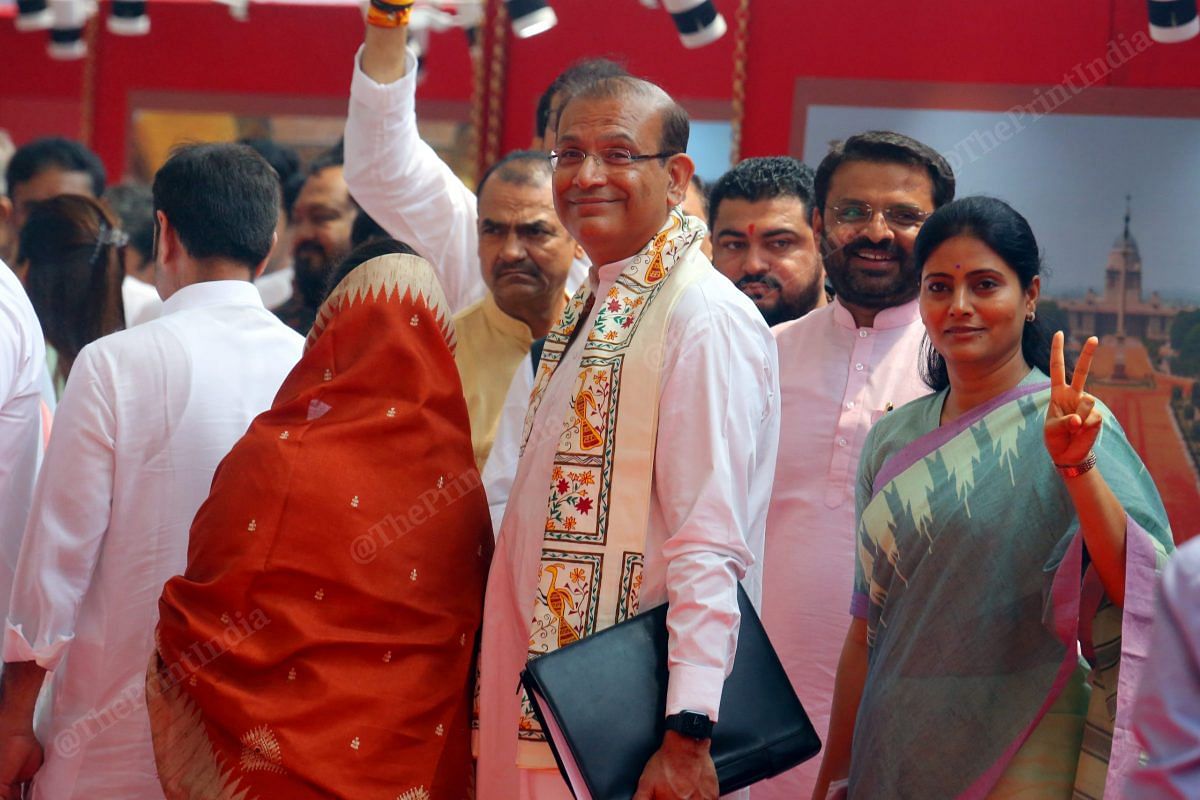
pixel 1008 542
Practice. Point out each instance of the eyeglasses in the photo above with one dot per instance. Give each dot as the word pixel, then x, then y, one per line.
pixel 616 157
pixel 897 217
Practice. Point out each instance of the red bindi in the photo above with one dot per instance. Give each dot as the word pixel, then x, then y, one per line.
pixel 751 228
pixel 958 266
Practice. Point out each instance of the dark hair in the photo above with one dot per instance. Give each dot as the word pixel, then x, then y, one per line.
pixel 365 229
pixel 373 248
pixel 54 152
pixel 570 79
pixel 522 167
pixel 885 147
pixel 757 179
pixel 222 200
pixel 335 156
pixel 291 191
pixel 133 203
pixel 675 124
pixel 997 225
pixel 72 245
pixel 283 159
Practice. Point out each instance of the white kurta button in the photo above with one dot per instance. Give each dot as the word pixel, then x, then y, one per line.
pixel 842 441
pixel 849 404
pixel 863 333
pixel 858 367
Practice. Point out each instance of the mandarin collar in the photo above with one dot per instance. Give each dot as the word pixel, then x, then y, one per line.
pixel 886 319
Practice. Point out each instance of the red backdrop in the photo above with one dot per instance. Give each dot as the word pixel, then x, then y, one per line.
pixel 306 52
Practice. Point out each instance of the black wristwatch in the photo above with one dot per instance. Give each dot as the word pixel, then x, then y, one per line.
pixel 691 724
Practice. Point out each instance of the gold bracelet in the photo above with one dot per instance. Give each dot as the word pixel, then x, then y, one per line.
pixel 1075 470
pixel 388 19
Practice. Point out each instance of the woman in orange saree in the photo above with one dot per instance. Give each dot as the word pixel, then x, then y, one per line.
pixel 321 642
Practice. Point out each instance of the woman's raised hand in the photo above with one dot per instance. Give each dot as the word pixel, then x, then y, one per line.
pixel 1072 421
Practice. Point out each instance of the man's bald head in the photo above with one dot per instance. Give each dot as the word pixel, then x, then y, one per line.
pixel 649 96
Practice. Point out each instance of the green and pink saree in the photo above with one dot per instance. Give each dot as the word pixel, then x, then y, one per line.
pixel 983 615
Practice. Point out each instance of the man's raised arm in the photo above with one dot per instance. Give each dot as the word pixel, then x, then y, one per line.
pixel 397 178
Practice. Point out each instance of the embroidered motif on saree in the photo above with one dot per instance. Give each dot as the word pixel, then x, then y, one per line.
pixel 591 563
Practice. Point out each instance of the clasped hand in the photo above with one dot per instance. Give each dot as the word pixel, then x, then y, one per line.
pixel 682 769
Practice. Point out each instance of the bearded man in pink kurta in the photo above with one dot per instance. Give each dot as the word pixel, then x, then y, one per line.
pixel 843 366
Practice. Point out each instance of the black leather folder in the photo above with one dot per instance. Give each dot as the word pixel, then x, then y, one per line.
pixel 606 697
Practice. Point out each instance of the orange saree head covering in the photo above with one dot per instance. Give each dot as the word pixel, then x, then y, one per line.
pixel 321 643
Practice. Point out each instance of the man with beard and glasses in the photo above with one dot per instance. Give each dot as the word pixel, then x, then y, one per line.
pixel 842 367
pixel 321 222
pixel 503 258
pixel 763 241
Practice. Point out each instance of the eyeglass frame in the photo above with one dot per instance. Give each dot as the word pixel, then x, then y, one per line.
pixel 555 155
pixel 884 212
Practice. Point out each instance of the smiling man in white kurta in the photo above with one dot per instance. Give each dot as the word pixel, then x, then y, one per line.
pixel 650 446
pixel 146 416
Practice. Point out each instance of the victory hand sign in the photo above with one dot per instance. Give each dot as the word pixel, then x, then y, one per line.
pixel 1072 421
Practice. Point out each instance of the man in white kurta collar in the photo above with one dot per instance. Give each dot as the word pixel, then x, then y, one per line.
pixel 147 414
pixel 620 170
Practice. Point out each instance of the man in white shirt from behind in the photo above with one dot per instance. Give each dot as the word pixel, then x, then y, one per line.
pixel 22 369
pixel 147 415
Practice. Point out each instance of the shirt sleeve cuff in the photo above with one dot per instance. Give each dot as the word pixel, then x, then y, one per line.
pixel 17 648
pixel 859 602
pixel 395 97
pixel 692 688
